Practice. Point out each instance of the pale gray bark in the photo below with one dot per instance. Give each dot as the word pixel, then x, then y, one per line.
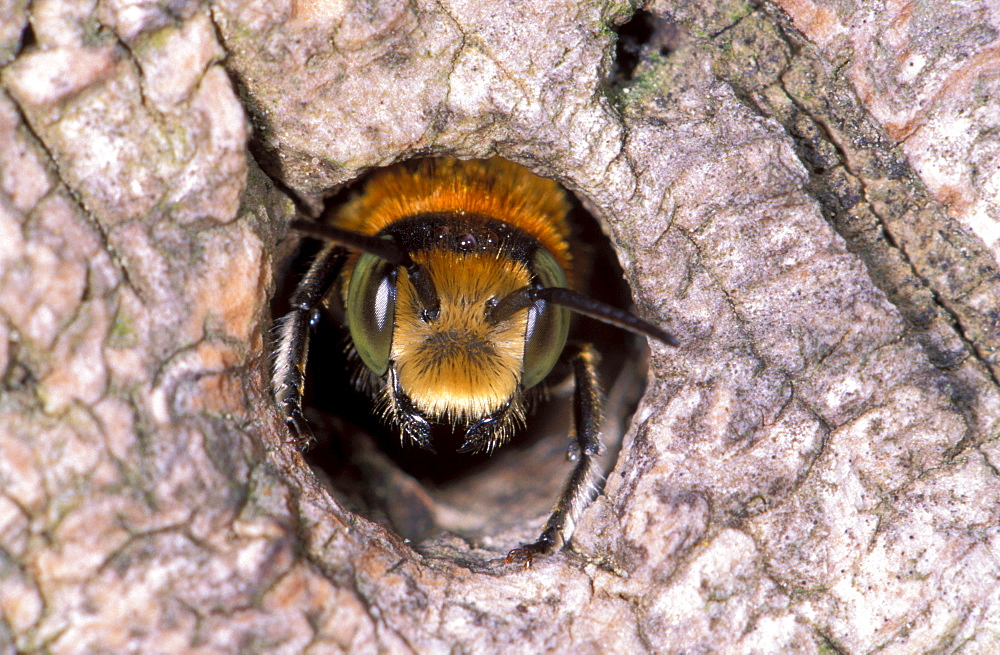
pixel 813 469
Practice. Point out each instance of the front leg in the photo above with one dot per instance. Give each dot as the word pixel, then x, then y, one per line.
pixel 581 486
pixel 289 373
pixel 288 376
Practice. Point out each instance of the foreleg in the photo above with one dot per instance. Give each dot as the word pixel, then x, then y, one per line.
pixel 582 484
pixel 289 374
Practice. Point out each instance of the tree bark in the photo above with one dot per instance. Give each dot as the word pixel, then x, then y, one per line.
pixel 805 193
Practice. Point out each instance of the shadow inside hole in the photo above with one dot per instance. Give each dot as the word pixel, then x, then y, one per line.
pixel 28 38
pixel 491 501
pixel 645 35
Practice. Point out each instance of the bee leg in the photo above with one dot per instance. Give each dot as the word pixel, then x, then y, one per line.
pixel 581 486
pixel 289 373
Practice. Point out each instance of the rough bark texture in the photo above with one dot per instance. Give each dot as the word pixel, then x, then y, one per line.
pixel 813 470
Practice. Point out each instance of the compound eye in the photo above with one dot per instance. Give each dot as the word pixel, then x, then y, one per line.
pixel 371 310
pixel 548 325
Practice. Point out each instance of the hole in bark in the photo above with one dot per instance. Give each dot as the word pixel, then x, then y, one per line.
pixel 17 377
pixel 491 501
pixel 28 39
pixel 646 35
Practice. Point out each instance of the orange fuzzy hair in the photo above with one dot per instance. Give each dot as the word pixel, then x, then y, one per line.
pixel 495 188
pixel 461 367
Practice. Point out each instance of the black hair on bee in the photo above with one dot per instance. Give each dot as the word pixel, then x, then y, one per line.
pixel 456 281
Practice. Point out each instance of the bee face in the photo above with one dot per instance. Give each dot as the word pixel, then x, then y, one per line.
pixel 460 366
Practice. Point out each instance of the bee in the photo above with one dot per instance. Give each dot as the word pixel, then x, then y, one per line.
pixel 455 283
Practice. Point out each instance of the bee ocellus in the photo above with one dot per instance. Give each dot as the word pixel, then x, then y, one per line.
pixel 455 279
